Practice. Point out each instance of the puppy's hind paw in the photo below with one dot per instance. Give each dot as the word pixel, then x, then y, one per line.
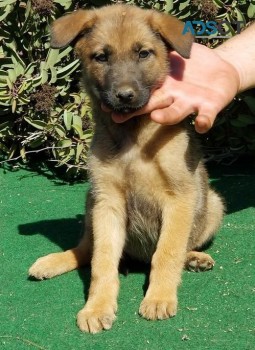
pixel 199 261
pixel 49 266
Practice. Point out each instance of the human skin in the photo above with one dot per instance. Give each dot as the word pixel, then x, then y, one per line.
pixel 203 84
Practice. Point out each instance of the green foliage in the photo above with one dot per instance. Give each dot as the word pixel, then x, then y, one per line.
pixel 43 107
pixel 43 110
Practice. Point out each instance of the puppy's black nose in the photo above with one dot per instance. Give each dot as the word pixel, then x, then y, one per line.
pixel 125 95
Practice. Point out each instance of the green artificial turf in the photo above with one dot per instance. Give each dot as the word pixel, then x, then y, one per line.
pixel 40 214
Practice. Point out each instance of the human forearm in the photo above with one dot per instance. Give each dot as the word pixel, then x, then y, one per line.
pixel 239 51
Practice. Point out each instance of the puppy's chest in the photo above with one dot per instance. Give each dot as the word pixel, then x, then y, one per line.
pixel 138 173
pixel 144 213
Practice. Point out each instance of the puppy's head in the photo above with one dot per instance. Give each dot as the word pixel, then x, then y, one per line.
pixel 123 50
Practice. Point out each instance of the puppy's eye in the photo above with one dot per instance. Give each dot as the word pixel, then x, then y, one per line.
pixel 101 57
pixel 144 53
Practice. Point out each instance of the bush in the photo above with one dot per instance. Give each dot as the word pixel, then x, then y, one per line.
pixel 43 108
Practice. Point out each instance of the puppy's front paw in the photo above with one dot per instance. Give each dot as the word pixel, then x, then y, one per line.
pixel 94 320
pixel 156 309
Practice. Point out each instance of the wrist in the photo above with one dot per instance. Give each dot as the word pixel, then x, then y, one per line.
pixel 235 69
pixel 239 52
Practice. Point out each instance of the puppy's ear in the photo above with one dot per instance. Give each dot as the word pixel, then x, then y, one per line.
pixel 65 29
pixel 171 29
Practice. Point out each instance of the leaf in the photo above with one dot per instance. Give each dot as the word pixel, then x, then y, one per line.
pixel 44 73
pixel 79 150
pixel 65 3
pixel 240 16
pixel 64 143
pixel 30 69
pixel 68 118
pixel 6 12
pixel 87 135
pixel 12 150
pixel 38 141
pixel 60 130
pixel 37 81
pixel 14 105
pixel 66 71
pixel 22 152
pixel 64 52
pixel 26 84
pixel 3 148
pixel 77 120
pixel 38 124
pixel 53 72
pixel 219 3
pixel 4 3
pixel 169 5
pixel 251 11
pixel 12 75
pixel 19 65
pixel 52 58
pixel 78 129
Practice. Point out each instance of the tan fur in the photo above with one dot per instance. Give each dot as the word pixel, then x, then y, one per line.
pixel 150 194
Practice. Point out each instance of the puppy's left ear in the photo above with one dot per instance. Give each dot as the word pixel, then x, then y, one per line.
pixel 171 30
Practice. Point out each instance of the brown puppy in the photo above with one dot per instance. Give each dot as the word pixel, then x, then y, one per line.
pixel 150 196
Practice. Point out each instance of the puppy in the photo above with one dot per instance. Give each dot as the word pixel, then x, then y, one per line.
pixel 150 196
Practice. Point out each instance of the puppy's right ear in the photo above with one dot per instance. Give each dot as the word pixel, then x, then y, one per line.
pixel 65 29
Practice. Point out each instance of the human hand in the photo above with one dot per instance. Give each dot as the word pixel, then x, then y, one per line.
pixel 203 84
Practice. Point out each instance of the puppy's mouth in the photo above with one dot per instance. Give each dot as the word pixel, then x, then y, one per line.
pixel 123 109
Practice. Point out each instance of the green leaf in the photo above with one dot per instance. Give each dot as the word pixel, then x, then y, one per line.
pixel 53 72
pixel 38 124
pixel 3 148
pixel 14 105
pixel 79 150
pixel 64 143
pixel 52 58
pixel 78 129
pixel 6 12
pixel 60 130
pixel 44 73
pixel 64 52
pixel 12 75
pixel 4 3
pixel 30 69
pixel 22 152
pixel 251 11
pixel 65 3
pixel 240 16
pixel 13 149
pixel 219 3
pixel 38 141
pixel 66 71
pixel 77 120
pixel 169 4
pixel 37 81
pixel 68 118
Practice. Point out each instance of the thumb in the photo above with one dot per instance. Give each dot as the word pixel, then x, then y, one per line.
pixel 203 123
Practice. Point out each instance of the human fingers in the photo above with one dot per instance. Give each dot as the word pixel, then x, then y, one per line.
pixel 205 119
pixel 173 114
pixel 202 124
pixel 160 99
